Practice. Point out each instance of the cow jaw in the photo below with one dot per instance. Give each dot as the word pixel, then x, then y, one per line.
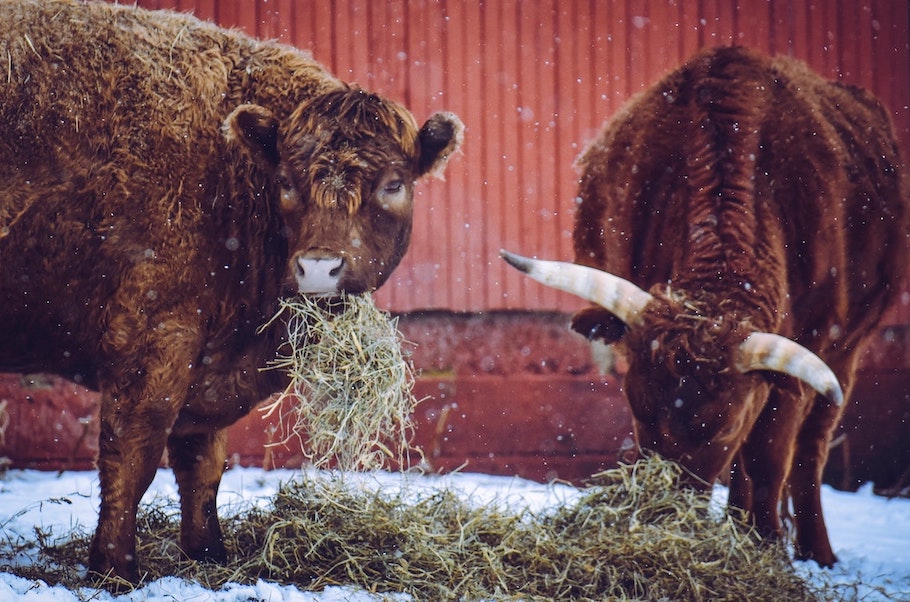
pixel 704 456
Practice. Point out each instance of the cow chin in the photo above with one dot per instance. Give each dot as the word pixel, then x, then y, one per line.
pixel 292 289
pixel 702 464
pixel 702 468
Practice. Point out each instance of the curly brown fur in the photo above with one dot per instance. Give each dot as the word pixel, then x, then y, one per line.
pixel 161 186
pixel 766 199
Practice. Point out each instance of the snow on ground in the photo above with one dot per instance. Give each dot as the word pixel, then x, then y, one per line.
pixel 870 534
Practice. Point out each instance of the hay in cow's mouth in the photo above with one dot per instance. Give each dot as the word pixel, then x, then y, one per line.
pixel 350 396
pixel 632 535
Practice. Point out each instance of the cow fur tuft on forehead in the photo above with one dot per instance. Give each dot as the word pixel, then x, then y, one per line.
pixel 687 336
pixel 350 136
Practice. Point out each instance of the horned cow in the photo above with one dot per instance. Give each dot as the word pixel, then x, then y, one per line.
pixel 740 221
pixel 163 182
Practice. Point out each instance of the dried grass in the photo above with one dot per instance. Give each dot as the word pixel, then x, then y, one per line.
pixel 633 535
pixel 350 398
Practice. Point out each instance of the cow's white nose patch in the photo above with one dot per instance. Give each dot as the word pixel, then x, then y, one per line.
pixel 318 275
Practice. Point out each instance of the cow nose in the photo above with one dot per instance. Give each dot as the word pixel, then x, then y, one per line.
pixel 318 275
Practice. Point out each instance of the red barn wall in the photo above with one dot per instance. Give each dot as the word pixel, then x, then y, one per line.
pixel 513 391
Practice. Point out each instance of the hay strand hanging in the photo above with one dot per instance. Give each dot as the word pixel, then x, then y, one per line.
pixel 350 396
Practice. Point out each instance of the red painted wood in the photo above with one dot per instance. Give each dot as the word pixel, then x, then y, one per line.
pixel 504 392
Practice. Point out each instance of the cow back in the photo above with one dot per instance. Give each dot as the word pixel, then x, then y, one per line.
pixel 755 180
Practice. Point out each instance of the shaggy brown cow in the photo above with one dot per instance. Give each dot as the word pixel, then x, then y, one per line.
pixel 764 211
pixel 162 183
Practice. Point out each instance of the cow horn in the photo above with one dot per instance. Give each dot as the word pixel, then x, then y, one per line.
pixel 618 296
pixel 767 351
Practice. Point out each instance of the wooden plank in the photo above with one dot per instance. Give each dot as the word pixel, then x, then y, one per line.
pixel 343 57
pixel 894 19
pixel 883 52
pixel 851 60
pixel 468 226
pixel 545 197
pixel 423 37
pixel 690 29
pixel 637 49
pixel 834 40
pixel 499 164
pixel 782 26
pixel 270 24
pixel 207 10
pixel 621 65
pixel 317 23
pixel 753 24
pixel 661 26
pixel 575 80
pixel 720 23
pixel 461 222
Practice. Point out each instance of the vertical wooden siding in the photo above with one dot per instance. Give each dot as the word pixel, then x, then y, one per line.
pixel 534 81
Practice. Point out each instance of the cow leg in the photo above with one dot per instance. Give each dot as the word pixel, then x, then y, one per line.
pixel 198 462
pixel 740 485
pixel 766 458
pixel 141 393
pixel 805 483
pixel 131 445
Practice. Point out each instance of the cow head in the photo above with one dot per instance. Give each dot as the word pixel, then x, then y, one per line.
pixel 695 381
pixel 343 167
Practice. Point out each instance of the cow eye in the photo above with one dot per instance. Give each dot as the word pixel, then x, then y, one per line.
pixel 392 193
pixel 287 193
pixel 288 197
pixel 282 181
pixel 393 187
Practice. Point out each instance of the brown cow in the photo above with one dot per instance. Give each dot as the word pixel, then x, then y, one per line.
pixel 162 183
pixel 764 212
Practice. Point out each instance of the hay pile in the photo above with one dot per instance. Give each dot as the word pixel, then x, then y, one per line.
pixel 350 398
pixel 630 536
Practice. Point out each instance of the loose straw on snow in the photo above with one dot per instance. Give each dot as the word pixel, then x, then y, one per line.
pixel 350 397
pixel 632 535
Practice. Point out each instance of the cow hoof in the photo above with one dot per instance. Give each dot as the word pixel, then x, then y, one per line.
pixel 214 553
pixel 105 571
pixel 825 561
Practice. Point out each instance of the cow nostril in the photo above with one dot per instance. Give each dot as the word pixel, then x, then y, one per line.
pixel 336 271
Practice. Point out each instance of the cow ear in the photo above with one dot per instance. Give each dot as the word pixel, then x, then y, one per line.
pixel 440 137
pixel 256 128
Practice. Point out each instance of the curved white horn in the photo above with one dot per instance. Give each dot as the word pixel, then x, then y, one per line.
pixel 767 351
pixel 618 296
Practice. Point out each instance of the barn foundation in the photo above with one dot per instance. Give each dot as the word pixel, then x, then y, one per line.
pixel 506 393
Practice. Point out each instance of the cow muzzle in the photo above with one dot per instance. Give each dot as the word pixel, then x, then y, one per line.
pixel 318 274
